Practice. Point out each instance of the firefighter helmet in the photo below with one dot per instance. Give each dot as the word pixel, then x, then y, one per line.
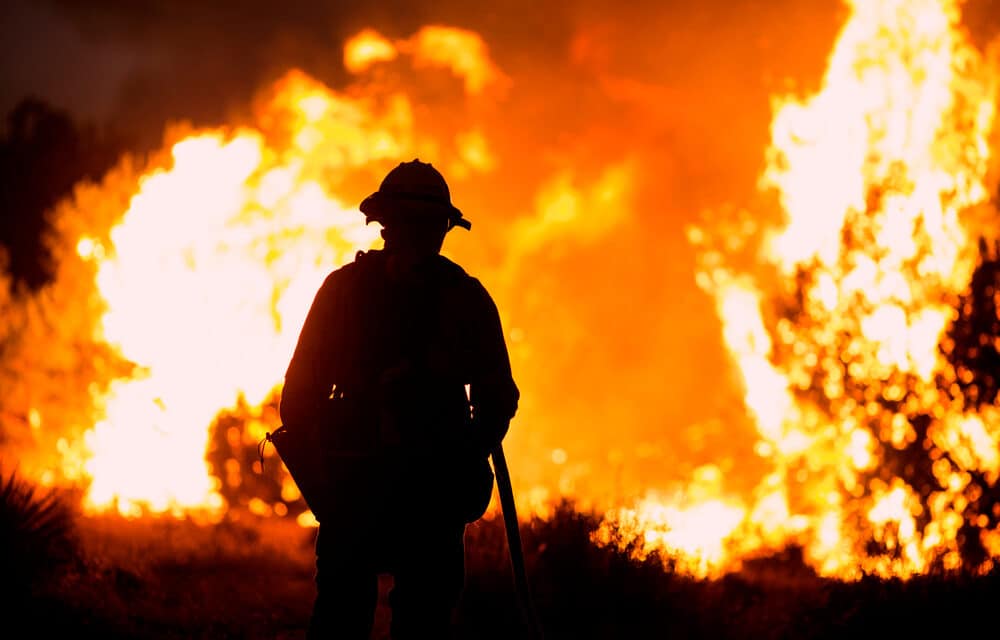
pixel 411 189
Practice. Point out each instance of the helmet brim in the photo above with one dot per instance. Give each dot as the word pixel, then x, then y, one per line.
pixel 382 207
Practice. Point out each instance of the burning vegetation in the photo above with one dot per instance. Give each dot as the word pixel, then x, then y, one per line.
pixel 863 320
pixel 858 307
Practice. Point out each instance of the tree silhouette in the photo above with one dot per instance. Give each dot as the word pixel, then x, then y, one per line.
pixel 43 153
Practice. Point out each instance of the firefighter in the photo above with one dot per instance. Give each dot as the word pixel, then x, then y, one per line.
pixel 402 365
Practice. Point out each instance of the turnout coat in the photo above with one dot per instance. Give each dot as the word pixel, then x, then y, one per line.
pixel 399 388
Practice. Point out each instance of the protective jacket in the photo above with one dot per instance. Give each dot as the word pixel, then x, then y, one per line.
pixel 405 380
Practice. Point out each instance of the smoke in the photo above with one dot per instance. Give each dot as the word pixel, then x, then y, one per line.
pixel 188 60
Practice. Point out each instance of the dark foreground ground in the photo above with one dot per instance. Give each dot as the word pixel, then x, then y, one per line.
pixel 253 579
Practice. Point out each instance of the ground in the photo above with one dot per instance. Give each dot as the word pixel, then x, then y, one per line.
pixel 252 578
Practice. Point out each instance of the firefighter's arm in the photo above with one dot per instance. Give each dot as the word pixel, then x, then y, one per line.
pixel 309 376
pixel 493 394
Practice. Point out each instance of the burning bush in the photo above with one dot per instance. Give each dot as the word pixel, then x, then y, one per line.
pixel 247 471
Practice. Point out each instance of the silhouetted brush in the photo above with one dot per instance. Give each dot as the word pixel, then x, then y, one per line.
pixel 37 534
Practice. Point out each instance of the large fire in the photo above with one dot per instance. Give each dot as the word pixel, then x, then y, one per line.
pixel 838 324
pixel 188 276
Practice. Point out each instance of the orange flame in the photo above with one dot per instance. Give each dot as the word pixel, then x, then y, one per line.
pixel 206 275
pixel 836 329
pixel 212 266
pixel 200 265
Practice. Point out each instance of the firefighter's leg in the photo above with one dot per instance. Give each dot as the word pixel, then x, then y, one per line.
pixel 427 586
pixel 346 592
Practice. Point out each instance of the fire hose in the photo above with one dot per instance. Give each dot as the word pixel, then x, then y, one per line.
pixel 514 544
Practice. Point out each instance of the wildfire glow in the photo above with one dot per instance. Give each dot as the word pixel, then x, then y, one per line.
pixel 836 309
pixel 199 273
pixel 461 51
pixel 205 278
pixel 837 331
pixel 367 48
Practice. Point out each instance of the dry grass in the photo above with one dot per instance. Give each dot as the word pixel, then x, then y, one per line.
pixel 165 578
pixel 252 578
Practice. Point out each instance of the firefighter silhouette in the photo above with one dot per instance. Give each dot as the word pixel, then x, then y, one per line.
pixel 399 388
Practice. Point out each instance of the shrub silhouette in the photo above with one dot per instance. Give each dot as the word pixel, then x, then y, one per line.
pixel 37 535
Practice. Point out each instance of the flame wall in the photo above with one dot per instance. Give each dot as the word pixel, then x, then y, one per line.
pixel 582 160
